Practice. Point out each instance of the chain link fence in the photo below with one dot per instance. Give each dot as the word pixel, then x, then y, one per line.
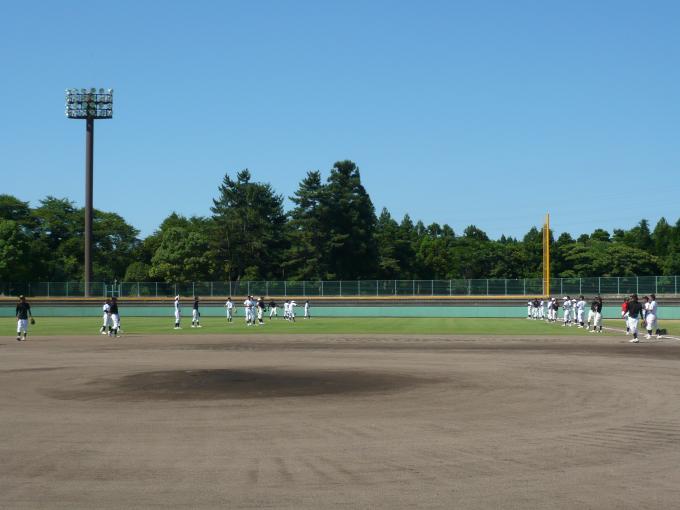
pixel 667 285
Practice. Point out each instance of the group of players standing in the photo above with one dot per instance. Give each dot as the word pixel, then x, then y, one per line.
pixel 573 312
pixel 254 311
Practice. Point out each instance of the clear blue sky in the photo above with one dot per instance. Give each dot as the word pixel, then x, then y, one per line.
pixel 484 112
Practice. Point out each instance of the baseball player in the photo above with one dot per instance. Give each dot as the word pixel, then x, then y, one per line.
pixel 248 306
pixel 541 310
pixel 580 310
pixel 178 312
pixel 624 313
pixel 530 306
pixel 23 312
pixel 307 316
pixel 595 316
pixel 106 318
pixel 291 310
pixel 195 315
pixel 635 313
pixel 273 309
pixel 260 311
pixel 115 318
pixel 566 313
pixel 230 310
pixel 651 317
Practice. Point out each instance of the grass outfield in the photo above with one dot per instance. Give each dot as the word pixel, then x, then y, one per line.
pixel 218 325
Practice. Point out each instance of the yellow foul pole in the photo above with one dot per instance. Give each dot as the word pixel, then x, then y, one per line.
pixel 546 256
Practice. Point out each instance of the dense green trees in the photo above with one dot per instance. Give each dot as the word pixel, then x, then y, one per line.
pixel 331 232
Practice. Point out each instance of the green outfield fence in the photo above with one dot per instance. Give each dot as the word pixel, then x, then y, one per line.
pixel 667 285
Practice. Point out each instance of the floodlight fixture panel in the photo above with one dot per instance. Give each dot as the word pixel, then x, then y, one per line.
pixel 89 104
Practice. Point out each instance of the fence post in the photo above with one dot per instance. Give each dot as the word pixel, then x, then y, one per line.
pixel 470 287
pixel 175 287
pixel 156 289
pixel 303 288
pixel 138 294
pixel 618 285
pixel 211 289
pixel 414 287
pixel 321 288
pixel 580 285
pixel 599 285
pixel 450 287
pixel 656 285
pixel 637 284
pixel 266 287
pixel 432 283
pixel 340 288
pixel 359 287
pixel 66 289
pixel 249 287
pixel 487 286
pixel 506 286
pixel 377 288
pixel 561 286
pixel 676 285
pixel 525 286
pixel 48 289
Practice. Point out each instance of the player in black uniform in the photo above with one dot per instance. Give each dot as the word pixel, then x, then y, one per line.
pixel 635 313
pixel 115 318
pixel 23 312
pixel 195 315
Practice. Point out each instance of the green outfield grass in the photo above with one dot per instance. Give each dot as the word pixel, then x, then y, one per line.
pixel 215 325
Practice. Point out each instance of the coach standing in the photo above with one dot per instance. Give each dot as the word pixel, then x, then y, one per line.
pixel 23 312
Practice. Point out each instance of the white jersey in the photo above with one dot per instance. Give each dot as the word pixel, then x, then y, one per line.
pixel 580 306
pixel 652 308
pixel 229 305
pixel 106 308
pixel 176 306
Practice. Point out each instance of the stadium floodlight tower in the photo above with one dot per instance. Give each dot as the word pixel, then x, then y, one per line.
pixel 89 104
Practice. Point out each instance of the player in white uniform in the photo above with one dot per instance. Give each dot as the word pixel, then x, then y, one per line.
pixel 178 312
pixel 286 310
pixel 530 306
pixel 230 309
pixel 651 310
pixel 566 311
pixel 291 310
pixel 307 316
pixel 260 311
pixel 541 310
pixel 580 310
pixel 248 306
pixel 106 318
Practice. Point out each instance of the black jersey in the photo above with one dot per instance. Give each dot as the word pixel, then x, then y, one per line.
pixel 272 304
pixel 23 310
pixel 195 304
pixel 113 308
pixel 635 309
pixel 260 304
pixel 596 306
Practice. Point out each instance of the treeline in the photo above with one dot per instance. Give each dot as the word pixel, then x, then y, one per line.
pixel 331 233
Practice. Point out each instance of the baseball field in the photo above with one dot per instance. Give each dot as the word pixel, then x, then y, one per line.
pixel 338 413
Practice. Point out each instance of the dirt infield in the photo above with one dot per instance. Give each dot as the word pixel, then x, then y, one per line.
pixel 339 422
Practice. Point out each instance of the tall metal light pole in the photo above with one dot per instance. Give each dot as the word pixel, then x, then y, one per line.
pixel 89 105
